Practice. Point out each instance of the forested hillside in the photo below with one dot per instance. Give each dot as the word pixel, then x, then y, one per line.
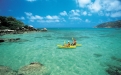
pixel 114 24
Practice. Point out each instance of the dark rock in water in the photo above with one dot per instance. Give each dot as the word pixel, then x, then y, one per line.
pixel 20 74
pixel 115 58
pixel 47 36
pixel 38 37
pixel 49 39
pixel 2 40
pixel 33 68
pixel 113 70
pixel 33 63
pixel 14 40
pixel 97 55
pixel 17 38
pixel 6 71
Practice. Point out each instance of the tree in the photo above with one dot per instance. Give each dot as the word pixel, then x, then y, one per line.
pixel 10 23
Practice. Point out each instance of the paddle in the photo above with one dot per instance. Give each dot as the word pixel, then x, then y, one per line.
pixel 64 43
pixel 72 38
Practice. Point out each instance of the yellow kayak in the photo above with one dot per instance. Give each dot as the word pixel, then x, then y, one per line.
pixel 61 46
pixel 78 45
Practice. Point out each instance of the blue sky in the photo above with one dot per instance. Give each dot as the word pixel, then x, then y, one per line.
pixel 62 13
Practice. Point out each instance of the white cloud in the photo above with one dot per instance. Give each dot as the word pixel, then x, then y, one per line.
pixel 87 20
pixel 30 0
pixel 74 13
pixel 64 13
pixel 112 8
pixel 32 18
pixel 84 13
pixel 49 17
pixel 75 18
pixel 95 7
pixel 38 18
pixel 105 5
pixel 48 21
pixel 35 17
pixel 52 17
pixel 28 13
pixel 111 5
pixel 83 3
pixel 101 7
pixel 22 18
pixel 116 14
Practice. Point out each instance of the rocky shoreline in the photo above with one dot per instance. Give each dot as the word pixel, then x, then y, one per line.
pixel 17 31
pixel 22 31
pixel 12 39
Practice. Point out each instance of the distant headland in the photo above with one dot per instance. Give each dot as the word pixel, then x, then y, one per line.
pixel 113 24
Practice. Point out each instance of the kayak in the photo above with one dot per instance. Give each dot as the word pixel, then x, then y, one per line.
pixel 78 45
pixel 61 46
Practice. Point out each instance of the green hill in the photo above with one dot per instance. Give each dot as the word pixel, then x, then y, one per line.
pixel 113 24
pixel 10 23
pixel 14 24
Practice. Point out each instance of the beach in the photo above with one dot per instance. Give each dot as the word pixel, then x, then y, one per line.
pixel 100 53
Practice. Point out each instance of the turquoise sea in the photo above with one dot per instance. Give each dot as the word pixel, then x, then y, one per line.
pixel 100 51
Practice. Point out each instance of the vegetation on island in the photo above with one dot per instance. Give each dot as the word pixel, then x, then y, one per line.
pixel 10 25
pixel 113 24
pixel 13 24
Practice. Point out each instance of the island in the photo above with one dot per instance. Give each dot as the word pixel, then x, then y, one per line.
pixel 10 25
pixel 113 24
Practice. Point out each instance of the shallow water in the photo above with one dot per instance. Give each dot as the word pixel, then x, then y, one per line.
pixel 100 48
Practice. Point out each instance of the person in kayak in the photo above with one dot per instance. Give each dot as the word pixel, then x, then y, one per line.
pixel 67 45
pixel 74 42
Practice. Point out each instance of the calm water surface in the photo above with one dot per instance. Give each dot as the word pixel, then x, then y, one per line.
pixel 100 48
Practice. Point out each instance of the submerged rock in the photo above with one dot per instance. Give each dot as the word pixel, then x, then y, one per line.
pixel 97 55
pixel 114 70
pixel 115 58
pixel 10 40
pixel 2 40
pixel 34 68
pixel 6 71
pixel 14 40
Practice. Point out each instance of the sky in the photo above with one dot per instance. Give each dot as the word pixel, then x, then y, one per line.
pixel 62 13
